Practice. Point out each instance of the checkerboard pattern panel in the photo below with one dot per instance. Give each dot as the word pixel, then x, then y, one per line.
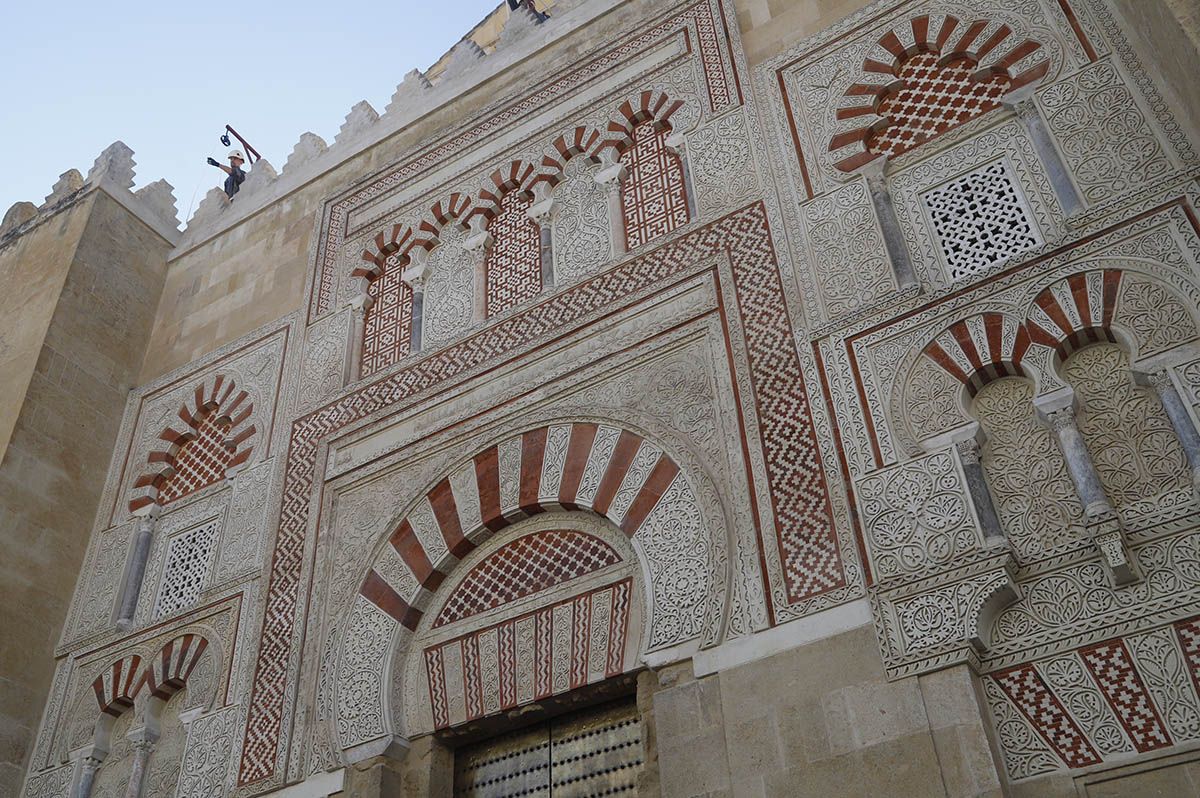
pixel 804 531
pixel 931 100
pixel 387 329
pixel 201 462
pixel 514 259
pixel 527 565
pixel 653 195
pixel 1113 670
pixel 808 547
pixel 1026 689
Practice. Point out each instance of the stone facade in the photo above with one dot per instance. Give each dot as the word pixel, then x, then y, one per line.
pixel 822 378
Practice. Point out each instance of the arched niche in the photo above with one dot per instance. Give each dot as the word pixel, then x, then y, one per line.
pixel 603 480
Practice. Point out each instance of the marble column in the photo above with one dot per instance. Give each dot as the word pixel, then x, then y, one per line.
pixel 677 144
pixel 143 746
pixel 359 306
pixel 981 495
pixel 1022 104
pixel 415 274
pixel 610 175
pixel 145 523
pixel 479 241
pixel 881 197
pixel 89 763
pixel 1102 522
pixel 1181 420
pixel 542 213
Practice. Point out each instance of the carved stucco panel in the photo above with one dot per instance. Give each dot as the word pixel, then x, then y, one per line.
pixel 917 516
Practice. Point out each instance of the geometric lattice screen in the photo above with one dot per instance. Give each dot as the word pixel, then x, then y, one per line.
pixel 201 461
pixel 513 264
pixel 185 572
pixel 932 99
pixel 980 220
pixel 387 330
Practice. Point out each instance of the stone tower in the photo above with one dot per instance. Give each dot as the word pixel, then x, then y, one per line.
pixel 659 398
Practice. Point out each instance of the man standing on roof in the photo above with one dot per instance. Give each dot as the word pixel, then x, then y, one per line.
pixel 234 171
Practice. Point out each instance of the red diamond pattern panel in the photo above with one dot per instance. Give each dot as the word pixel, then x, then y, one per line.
pixel 1113 671
pixel 931 100
pixel 201 462
pixel 1024 686
pixel 387 330
pixel 803 517
pixel 527 565
pixel 514 260
pixel 653 196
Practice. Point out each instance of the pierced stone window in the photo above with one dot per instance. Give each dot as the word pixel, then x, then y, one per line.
pixel 653 194
pixel 980 220
pixel 387 328
pixel 514 260
pixel 185 573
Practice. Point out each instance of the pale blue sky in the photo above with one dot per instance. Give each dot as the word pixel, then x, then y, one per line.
pixel 165 78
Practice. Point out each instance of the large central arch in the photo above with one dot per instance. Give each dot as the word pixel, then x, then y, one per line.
pixel 644 500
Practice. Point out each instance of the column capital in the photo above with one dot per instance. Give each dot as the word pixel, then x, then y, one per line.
pixel 1021 101
pixel 875 171
pixel 417 270
pixel 360 304
pixel 541 211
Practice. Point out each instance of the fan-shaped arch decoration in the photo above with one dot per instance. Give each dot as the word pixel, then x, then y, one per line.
pixel 117 687
pixel 926 77
pixel 606 471
pixel 980 349
pixel 1076 311
pixel 215 439
pixel 167 671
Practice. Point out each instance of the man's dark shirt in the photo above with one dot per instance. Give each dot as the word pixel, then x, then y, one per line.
pixel 234 181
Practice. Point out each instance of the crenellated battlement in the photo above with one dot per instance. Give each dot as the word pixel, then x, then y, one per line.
pixel 467 64
pixel 113 172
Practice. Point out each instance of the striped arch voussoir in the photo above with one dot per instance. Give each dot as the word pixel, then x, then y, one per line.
pixel 517 176
pixel 399 238
pixel 460 518
pixel 649 106
pixel 1075 311
pixel 118 685
pixel 580 141
pixel 233 408
pixel 993 47
pixel 980 349
pixel 444 212
pixel 168 670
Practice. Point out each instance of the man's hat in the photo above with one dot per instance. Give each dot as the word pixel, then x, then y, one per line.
pixel 237 154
